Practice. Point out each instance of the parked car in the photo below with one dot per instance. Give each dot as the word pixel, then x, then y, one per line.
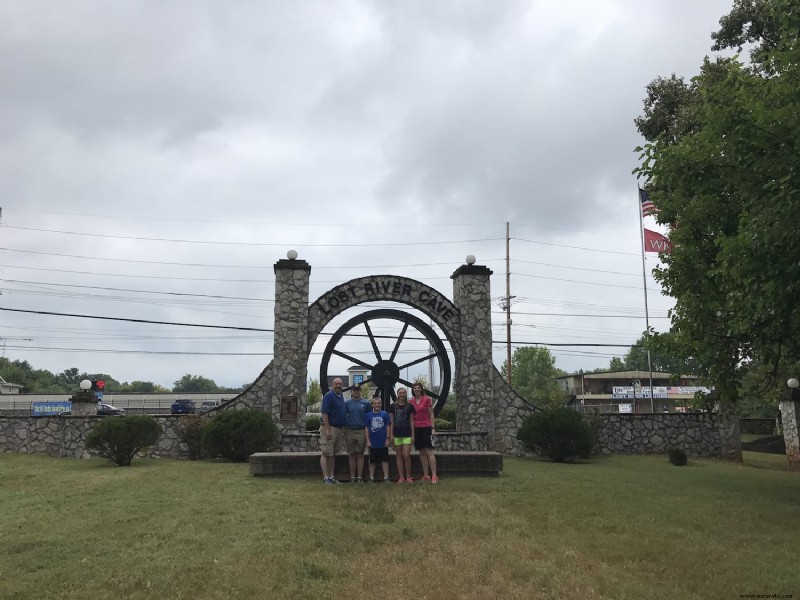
pixel 108 410
pixel 183 407
pixel 208 405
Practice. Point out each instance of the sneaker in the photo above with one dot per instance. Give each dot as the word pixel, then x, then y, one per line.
pixel 387 480
pixel 401 480
pixel 409 480
pixel 426 478
pixel 371 480
pixel 360 480
pixel 434 479
pixel 334 481
pixel 327 481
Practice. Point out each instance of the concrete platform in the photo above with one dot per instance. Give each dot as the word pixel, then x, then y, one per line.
pixel 287 464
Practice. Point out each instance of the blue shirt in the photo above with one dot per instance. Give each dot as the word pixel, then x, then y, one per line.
pixel 356 409
pixel 378 425
pixel 333 406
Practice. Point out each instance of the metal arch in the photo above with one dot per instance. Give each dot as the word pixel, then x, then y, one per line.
pixel 385 373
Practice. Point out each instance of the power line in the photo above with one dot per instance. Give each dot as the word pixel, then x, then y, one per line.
pixel 632 287
pixel 113 289
pixel 181 264
pixel 574 247
pixel 128 320
pixel 221 243
pixel 539 314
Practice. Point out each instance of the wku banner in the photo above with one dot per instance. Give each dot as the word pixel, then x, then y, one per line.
pixel 655 242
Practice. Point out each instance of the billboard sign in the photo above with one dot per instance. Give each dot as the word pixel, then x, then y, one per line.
pixel 48 409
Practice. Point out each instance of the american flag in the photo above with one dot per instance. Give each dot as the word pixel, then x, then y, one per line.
pixel 648 208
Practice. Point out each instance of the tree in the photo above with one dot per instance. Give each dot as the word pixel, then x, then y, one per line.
pixel 314 394
pixel 145 387
pixel 194 384
pixel 665 357
pixel 533 376
pixel 729 188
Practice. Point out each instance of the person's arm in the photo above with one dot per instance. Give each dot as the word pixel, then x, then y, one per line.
pixel 366 433
pixel 411 422
pixel 391 425
pixel 433 419
pixel 389 431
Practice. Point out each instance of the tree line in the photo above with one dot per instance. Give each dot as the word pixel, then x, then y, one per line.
pixel 42 381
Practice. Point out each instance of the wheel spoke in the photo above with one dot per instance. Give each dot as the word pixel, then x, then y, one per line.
pixel 372 340
pixel 399 339
pixel 419 360
pixel 393 394
pixel 359 362
pixel 424 391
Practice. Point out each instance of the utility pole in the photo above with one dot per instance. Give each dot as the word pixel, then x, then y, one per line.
pixel 508 301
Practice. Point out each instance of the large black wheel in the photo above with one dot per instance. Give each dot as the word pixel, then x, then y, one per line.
pixel 385 368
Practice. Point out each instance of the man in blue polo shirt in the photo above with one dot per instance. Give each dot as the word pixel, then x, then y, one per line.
pixel 331 439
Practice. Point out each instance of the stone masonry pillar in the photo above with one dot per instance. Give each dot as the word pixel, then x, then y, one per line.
pixel 288 392
pixel 474 368
pixel 790 415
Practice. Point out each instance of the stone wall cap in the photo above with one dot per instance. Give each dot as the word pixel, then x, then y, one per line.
pixel 471 270
pixel 295 265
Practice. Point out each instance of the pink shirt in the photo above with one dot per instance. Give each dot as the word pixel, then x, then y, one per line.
pixel 422 417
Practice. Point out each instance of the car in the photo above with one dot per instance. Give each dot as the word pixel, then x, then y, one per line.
pixel 182 407
pixel 208 405
pixel 108 410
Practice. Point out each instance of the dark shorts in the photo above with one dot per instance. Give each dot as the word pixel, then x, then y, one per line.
pixel 422 438
pixel 377 455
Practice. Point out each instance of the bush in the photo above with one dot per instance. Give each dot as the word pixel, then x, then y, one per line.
pixel 119 438
pixel 448 413
pixel 236 434
pixel 190 430
pixel 677 457
pixel 313 423
pixel 558 433
pixel 444 425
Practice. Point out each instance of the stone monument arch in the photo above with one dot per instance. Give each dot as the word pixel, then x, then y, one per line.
pixel 484 401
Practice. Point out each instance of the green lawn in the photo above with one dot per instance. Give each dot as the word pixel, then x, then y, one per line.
pixel 621 527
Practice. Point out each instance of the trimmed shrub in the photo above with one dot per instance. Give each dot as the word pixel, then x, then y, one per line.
pixel 119 438
pixel 677 457
pixel 190 430
pixel 558 433
pixel 313 423
pixel 236 434
pixel 444 425
pixel 448 413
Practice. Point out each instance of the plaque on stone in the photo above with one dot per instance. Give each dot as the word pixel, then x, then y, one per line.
pixel 289 408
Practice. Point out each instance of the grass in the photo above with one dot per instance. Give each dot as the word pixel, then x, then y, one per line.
pixel 620 527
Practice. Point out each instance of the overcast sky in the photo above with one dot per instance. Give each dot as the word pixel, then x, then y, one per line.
pixel 235 131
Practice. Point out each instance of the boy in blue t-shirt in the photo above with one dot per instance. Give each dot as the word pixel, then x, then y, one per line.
pixel 378 431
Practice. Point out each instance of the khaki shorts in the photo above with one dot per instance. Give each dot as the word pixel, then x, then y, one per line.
pixel 355 441
pixel 333 446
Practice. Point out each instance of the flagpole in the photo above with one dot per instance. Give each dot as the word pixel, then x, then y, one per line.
pixel 644 285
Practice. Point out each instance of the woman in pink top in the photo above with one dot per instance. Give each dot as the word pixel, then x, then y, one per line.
pixel 423 430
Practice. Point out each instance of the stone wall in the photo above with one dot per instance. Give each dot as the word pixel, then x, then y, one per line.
pixel 448 441
pixel 509 411
pixel 64 437
pixel 695 433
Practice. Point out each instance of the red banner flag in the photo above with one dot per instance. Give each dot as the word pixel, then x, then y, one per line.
pixel 655 242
